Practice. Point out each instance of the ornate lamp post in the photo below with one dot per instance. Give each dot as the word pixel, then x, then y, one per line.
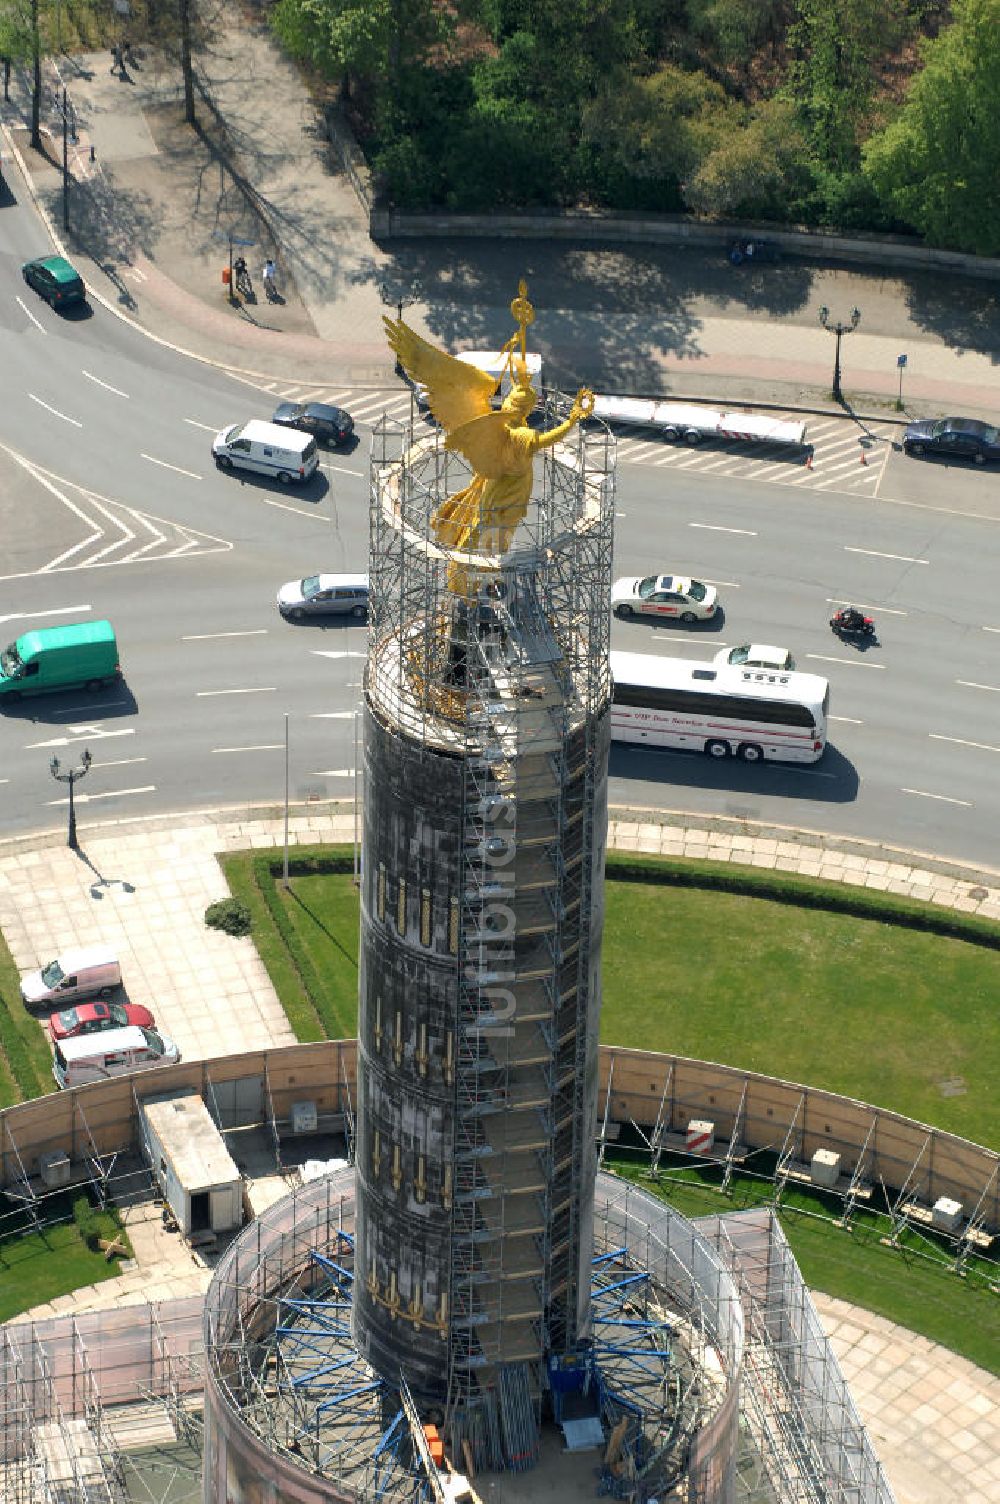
pixel 839 330
pixel 402 300
pixel 71 776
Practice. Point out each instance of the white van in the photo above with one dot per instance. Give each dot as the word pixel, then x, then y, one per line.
pixel 110 1052
pixel 494 363
pixel 267 449
pixel 92 972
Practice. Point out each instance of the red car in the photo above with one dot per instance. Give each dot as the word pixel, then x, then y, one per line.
pixel 90 1018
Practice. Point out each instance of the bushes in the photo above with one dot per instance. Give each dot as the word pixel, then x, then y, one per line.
pixel 88 1221
pixel 230 915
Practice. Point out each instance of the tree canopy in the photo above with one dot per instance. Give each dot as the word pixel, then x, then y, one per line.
pixel 937 163
pixel 840 113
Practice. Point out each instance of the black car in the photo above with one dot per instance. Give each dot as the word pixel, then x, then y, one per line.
pixel 959 438
pixel 56 279
pixel 330 425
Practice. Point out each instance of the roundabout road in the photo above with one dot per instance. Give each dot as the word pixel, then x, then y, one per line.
pixel 111 505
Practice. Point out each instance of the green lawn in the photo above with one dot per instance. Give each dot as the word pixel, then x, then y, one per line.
pixel 889 1015
pixel 35 1267
pixel 895 1016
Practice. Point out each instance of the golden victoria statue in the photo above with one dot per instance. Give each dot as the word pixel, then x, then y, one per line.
pixel 499 446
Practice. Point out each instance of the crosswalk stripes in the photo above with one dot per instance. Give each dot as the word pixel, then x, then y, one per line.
pixel 836 444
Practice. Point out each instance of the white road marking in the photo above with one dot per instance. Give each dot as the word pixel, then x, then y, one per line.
pixel 970 684
pixel 31 316
pixel 55 411
pixel 58 611
pixel 147 788
pixel 331 653
pixel 260 747
pixel 838 600
pixel 191 474
pixel 943 798
pixel 331 773
pixel 874 554
pixel 991 629
pixel 710 527
pixel 621 514
pixel 118 762
pixel 725 584
pixel 105 385
pixel 208 636
pixel 208 694
pixel 332 715
pixel 959 741
pixel 88 733
pixel 208 427
pixel 342 470
pixel 848 720
pixel 284 507
pixel 851 662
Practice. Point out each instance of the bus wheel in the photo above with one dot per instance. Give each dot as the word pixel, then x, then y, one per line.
pixel 717 749
pixel 624 613
pixel 750 752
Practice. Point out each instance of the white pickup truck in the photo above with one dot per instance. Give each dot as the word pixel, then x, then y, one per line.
pixel 685 421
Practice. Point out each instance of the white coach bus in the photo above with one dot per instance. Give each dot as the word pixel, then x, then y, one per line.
pixel 722 709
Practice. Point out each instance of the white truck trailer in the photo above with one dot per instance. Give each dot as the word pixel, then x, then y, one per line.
pixel 681 421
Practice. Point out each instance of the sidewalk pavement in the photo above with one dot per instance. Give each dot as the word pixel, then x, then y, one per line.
pixel 153 210
pixel 143 885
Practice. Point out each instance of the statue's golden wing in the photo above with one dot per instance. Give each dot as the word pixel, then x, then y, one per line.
pixel 487 445
pixel 456 392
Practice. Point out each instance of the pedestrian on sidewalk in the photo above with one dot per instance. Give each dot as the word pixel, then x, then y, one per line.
pixel 269 273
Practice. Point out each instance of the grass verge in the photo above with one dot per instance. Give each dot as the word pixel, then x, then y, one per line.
pixel 25 1057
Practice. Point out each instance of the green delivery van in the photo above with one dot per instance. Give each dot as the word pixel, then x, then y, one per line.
pixel 50 658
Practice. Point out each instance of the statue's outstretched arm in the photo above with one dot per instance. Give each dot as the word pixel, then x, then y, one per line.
pixel 582 407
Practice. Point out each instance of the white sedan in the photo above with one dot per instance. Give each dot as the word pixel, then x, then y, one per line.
pixel 757 655
pixel 664 595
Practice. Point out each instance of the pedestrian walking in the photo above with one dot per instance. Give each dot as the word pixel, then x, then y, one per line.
pixel 269 273
pixel 117 64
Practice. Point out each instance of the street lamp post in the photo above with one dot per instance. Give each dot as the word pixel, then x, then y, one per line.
pixel 71 776
pixel 402 302
pixel 839 330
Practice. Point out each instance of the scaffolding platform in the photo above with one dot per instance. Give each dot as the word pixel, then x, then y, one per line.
pixel 845 1185
pixel 923 1216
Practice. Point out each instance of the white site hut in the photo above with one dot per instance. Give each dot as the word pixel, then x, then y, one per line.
pixel 191 1163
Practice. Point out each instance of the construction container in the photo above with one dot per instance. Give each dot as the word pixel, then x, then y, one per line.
pixel 54 1168
pixel 824 1169
pixel 947 1214
pixel 191 1163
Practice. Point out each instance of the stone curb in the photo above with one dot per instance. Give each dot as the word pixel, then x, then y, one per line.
pixel 850 860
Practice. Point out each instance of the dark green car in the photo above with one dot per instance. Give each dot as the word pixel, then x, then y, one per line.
pixel 55 279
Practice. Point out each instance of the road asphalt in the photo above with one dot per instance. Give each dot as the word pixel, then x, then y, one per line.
pixel 151 211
